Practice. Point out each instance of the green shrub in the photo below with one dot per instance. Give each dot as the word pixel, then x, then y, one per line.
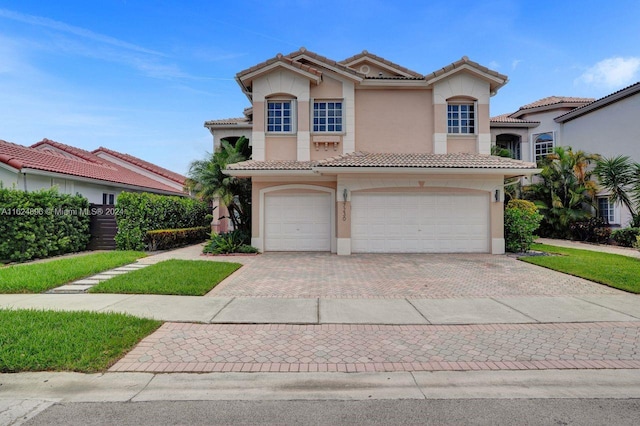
pixel 229 242
pixel 138 213
pixel 163 239
pixel 521 220
pixel 40 224
pixel 593 230
pixel 625 237
pixel 636 245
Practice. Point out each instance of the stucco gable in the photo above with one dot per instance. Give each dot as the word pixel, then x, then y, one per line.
pixel 465 65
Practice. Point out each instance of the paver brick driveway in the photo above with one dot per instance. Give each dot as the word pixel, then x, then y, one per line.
pixel 301 275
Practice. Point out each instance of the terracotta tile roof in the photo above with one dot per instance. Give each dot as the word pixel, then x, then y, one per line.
pixel 462 61
pixel 280 58
pixel 364 159
pixel 553 100
pixel 272 165
pixel 365 54
pixel 506 118
pixel 448 161
pixel 227 121
pixel 87 165
pixel 176 177
pixel 325 60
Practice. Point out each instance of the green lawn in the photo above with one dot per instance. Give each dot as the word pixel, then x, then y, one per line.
pixel 611 269
pixel 87 342
pixel 39 277
pixel 179 277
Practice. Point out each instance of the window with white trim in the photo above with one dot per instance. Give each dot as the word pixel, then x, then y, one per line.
pixel 327 116
pixel 606 209
pixel 280 116
pixel 543 144
pixel 461 118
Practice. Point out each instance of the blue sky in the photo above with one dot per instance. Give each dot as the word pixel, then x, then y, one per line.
pixel 141 77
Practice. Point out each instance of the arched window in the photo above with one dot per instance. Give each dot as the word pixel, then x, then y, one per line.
pixel 461 117
pixel 281 115
pixel 542 145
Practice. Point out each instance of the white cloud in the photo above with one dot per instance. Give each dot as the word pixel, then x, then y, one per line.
pixel 515 63
pixel 494 65
pixel 612 72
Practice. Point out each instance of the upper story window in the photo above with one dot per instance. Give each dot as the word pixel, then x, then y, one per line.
pixel 606 210
pixel 108 198
pixel 327 116
pixel 542 145
pixel 461 118
pixel 280 116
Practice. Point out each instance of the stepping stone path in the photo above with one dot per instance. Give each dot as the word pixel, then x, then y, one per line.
pixel 84 284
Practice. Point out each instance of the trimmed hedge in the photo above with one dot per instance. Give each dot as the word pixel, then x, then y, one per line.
pixel 521 221
pixel 164 239
pixel 40 224
pixel 139 213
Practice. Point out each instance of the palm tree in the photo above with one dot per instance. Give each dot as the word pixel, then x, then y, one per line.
pixel 619 176
pixel 565 192
pixel 207 180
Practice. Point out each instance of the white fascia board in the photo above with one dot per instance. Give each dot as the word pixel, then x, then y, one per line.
pixel 99 182
pixel 598 104
pixel 251 173
pixel 8 167
pixel 379 65
pixel 425 171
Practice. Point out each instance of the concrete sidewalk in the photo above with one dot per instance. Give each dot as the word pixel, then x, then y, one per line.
pixel 239 310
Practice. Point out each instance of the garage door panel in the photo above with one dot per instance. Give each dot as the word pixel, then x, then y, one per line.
pixel 297 222
pixel 420 223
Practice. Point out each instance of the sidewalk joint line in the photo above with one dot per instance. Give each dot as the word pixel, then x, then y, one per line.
pixel 220 310
pixel 153 376
pixel 606 307
pixel 418 310
pixel 517 310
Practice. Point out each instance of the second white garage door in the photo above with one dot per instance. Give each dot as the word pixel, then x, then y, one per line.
pixel 419 223
pixel 297 222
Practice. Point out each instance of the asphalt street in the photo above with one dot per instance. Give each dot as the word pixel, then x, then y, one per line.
pixel 394 412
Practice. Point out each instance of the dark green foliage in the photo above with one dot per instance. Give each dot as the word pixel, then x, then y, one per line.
pixel 164 239
pixel 40 224
pixel 138 213
pixel 521 220
pixel 230 242
pixel 563 191
pixel 625 237
pixel 593 230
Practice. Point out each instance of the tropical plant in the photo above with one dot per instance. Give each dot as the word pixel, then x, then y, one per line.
pixel 208 180
pixel 620 177
pixel 563 191
pixel 230 242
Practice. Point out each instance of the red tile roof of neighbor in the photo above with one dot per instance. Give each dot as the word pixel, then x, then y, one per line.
pixel 176 177
pixel 553 100
pixel 505 118
pixel 80 163
pixel 365 159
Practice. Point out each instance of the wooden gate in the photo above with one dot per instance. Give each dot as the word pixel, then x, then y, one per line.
pixel 103 227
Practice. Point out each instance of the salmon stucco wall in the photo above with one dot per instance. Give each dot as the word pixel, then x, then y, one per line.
pixel 382 116
pixel 280 148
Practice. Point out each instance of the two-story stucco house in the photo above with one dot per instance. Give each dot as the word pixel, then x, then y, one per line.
pixel 366 156
pixel 608 126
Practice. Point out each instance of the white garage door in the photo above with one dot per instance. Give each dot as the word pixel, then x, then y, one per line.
pixel 297 222
pixel 420 223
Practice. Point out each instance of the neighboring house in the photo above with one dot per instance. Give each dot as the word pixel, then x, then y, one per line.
pixel 364 155
pixel 608 126
pixel 99 175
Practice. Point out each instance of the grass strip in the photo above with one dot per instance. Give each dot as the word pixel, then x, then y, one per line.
pixel 614 270
pixel 34 340
pixel 170 277
pixel 39 277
